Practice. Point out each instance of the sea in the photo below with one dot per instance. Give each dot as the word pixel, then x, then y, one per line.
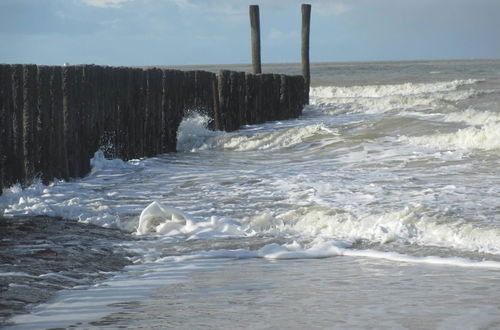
pixel 377 208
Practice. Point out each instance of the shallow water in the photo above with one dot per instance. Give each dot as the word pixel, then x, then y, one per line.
pixel 40 256
pixel 381 202
pixel 333 293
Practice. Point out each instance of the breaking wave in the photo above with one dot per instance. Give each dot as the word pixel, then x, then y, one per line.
pixel 408 226
pixel 412 225
pixel 384 98
pixel 474 117
pixel 486 137
pixel 389 90
pixel 194 136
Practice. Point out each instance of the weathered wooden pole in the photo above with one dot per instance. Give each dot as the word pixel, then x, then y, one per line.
pixel 306 23
pixel 255 27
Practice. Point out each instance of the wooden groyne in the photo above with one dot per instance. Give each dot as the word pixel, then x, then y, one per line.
pixel 52 118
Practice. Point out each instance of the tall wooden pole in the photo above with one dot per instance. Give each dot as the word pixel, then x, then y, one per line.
pixel 306 23
pixel 255 27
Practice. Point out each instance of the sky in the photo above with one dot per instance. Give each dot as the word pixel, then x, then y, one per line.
pixel 187 32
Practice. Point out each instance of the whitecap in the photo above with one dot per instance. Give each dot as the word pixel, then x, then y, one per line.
pixel 158 218
pixel 486 137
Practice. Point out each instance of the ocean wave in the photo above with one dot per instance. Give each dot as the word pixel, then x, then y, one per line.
pixel 408 226
pixel 57 200
pixel 486 137
pixel 474 117
pixel 193 132
pixel 412 225
pixel 383 98
pixel 75 200
pixel 374 91
pixel 193 136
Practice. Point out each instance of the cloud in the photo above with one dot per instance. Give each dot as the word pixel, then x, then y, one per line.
pixel 331 8
pixel 182 4
pixel 238 7
pixel 106 3
pixel 48 17
pixel 185 4
pixel 235 8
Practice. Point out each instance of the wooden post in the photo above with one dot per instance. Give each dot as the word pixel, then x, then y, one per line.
pixel 58 161
pixel 306 22
pixel 47 127
pixel 68 122
pixel 17 163
pixel 255 27
pixel 5 126
pixel 29 121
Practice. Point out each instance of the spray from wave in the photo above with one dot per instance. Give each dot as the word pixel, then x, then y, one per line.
pixel 193 132
pixel 194 136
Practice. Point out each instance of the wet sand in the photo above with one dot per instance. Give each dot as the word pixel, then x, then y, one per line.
pixel 41 255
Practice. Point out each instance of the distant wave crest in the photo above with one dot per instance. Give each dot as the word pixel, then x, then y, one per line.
pixel 384 98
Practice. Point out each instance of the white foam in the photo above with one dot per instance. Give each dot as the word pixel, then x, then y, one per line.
pixel 383 98
pixel 59 199
pixel 474 117
pixel 295 251
pixel 263 141
pixel 377 91
pixel 99 162
pixel 410 225
pixel 324 248
pixel 486 137
pixel 167 221
pixel 431 260
pixel 315 250
pixel 81 199
pixel 193 132
pixel 160 219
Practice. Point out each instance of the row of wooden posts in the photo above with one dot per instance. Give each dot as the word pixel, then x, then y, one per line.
pixel 53 118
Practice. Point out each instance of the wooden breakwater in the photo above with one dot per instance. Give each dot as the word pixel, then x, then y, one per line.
pixel 52 118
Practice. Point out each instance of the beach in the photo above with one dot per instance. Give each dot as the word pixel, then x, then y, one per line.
pixel 377 208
